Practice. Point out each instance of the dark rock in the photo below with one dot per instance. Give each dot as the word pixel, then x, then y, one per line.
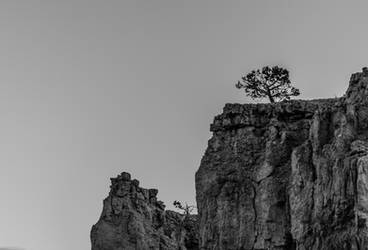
pixel 289 175
pixel 283 176
pixel 125 176
pixel 132 218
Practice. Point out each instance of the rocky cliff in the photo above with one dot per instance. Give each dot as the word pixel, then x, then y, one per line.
pixel 133 219
pixel 290 175
pixel 283 176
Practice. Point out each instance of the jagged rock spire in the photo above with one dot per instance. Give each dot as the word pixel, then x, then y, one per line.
pixel 133 218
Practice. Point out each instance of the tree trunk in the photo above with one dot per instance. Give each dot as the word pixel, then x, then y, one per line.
pixel 268 92
pixel 272 100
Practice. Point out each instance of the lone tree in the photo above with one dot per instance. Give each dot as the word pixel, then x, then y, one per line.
pixel 186 209
pixel 273 83
pixel 184 220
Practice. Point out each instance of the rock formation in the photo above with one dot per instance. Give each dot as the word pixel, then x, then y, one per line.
pixel 290 175
pixel 284 176
pixel 133 219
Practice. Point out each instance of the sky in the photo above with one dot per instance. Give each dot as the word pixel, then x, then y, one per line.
pixel 89 89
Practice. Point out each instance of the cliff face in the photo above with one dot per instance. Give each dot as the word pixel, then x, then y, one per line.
pixel 290 175
pixel 284 176
pixel 133 219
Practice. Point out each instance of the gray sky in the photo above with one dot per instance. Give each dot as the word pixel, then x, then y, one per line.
pixel 89 89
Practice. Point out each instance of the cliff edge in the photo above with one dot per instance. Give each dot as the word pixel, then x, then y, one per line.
pixel 289 175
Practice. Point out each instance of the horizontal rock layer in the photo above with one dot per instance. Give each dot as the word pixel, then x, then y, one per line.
pixel 289 175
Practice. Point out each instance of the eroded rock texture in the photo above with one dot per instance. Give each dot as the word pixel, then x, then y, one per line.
pixel 133 219
pixel 290 175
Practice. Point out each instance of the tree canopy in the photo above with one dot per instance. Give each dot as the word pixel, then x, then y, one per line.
pixel 273 83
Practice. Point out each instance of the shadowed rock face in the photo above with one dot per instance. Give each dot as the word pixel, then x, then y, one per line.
pixel 290 175
pixel 133 218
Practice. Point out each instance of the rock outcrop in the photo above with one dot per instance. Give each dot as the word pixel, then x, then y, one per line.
pixel 283 176
pixel 289 175
pixel 133 219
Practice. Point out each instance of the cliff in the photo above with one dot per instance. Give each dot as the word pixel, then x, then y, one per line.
pixel 283 176
pixel 290 175
pixel 133 219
